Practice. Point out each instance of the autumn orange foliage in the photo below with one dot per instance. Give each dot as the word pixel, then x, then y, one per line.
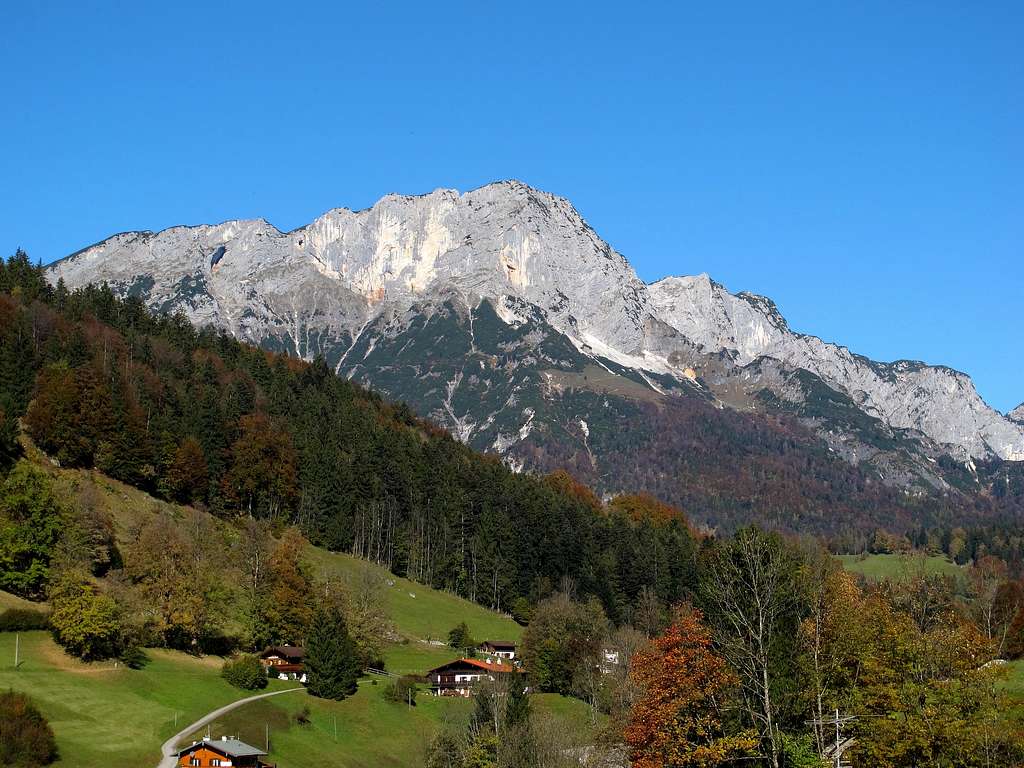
pixel 676 720
pixel 644 506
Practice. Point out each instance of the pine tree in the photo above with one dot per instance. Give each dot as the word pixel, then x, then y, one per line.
pixel 332 665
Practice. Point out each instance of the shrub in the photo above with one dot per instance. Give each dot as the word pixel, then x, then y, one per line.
pixel 302 716
pixel 459 637
pixel 134 657
pixel 522 610
pixel 23 620
pixel 402 690
pixel 26 739
pixel 244 671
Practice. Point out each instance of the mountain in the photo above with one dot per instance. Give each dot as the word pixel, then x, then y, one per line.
pixel 934 400
pixel 501 314
pixel 1017 414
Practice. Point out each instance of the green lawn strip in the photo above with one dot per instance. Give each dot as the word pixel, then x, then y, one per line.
pixel 1013 683
pixel 418 611
pixel 104 714
pixel 574 715
pixel 362 731
pixel 416 658
pixel 8 601
pixel 900 567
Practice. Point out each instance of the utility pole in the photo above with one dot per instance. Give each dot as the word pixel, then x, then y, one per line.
pixel 266 736
pixel 17 650
pixel 834 753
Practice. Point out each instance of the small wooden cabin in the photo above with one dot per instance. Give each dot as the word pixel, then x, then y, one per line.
pixel 225 751
pixel 285 662
pixel 498 649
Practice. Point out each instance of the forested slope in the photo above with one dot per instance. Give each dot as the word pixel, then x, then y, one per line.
pixel 194 416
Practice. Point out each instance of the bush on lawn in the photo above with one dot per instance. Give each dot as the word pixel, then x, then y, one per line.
pixel 402 690
pixel 460 638
pixel 26 740
pixel 23 620
pixel 244 671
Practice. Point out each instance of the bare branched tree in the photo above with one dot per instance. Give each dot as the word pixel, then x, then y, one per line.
pixel 748 590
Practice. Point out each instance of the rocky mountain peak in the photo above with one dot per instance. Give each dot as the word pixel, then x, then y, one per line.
pixel 1017 414
pixel 530 254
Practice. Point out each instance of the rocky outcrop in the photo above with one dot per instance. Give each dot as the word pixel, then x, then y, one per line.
pixel 1017 414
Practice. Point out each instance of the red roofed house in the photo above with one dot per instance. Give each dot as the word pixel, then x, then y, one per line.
pixel 225 751
pixel 457 678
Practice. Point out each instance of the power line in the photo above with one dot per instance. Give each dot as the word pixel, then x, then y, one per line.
pixel 834 753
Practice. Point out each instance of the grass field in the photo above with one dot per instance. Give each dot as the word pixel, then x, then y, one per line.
pixel 105 714
pixel 7 601
pixel 900 567
pixel 421 613
pixel 1014 682
pixel 363 731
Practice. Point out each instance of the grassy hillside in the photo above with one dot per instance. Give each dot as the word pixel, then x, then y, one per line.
pixel 7 601
pixel 900 567
pixel 360 732
pixel 104 714
pixel 1015 678
pixel 421 613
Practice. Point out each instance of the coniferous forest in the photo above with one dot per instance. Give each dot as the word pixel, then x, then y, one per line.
pixel 197 417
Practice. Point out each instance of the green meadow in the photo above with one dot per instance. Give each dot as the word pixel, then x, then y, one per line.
pixel 900 566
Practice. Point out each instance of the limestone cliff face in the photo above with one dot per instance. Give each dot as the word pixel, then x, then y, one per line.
pixel 352 283
pixel 934 400
pixel 1017 414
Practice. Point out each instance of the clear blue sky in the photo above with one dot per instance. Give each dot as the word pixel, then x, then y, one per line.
pixel 861 163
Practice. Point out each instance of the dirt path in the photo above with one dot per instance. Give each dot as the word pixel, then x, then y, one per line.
pixel 170 746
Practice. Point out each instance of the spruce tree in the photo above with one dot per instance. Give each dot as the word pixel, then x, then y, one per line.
pixel 332 665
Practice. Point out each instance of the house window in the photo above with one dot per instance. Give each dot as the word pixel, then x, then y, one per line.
pixel 215 762
pixel 194 761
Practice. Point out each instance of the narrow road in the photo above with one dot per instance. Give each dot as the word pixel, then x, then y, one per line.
pixel 170 747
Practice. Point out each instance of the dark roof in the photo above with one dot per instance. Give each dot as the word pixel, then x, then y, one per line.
pixel 288 651
pixel 499 643
pixel 227 747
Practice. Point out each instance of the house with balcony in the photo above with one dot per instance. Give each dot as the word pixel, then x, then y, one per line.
pixel 225 752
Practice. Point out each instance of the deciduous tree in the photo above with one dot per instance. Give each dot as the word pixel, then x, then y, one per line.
pixel 262 479
pixel 32 521
pixel 677 719
pixel 85 621
pixel 187 476
pixel 750 592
